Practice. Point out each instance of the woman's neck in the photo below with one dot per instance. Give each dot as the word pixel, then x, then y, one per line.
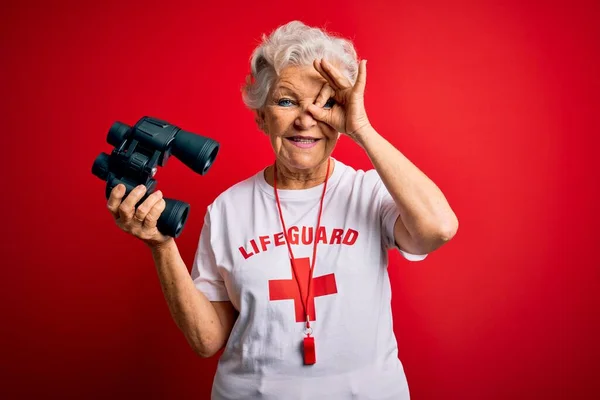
pixel 296 180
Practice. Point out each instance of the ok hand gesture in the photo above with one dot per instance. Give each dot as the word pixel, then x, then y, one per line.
pixel 348 114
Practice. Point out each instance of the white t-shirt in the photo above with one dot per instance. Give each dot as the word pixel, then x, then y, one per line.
pixel 242 257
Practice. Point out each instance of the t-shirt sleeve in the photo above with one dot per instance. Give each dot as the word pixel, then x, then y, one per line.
pixel 389 213
pixel 205 271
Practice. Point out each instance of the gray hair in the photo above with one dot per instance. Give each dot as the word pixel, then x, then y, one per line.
pixel 294 44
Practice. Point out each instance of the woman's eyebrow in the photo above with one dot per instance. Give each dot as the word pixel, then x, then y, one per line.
pixel 282 88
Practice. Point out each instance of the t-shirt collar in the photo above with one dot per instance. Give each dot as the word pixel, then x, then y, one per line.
pixel 313 192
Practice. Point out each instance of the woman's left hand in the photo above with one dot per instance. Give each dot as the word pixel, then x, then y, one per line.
pixel 348 114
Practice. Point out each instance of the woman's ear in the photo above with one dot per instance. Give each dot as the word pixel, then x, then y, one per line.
pixel 259 117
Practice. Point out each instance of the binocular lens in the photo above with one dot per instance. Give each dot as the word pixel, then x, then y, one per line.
pixel 173 218
pixel 195 151
pixel 100 167
pixel 117 133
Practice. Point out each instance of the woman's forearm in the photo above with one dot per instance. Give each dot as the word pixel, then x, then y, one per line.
pixel 193 313
pixel 423 207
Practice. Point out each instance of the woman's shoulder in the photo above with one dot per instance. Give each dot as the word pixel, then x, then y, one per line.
pixel 237 192
pixel 357 177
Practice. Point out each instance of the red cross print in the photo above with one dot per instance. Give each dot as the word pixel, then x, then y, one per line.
pixel 287 289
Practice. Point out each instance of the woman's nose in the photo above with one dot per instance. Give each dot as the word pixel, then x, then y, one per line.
pixel 305 120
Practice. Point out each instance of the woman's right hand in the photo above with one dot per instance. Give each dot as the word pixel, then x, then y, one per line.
pixel 140 222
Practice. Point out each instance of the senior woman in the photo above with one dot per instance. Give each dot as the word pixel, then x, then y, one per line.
pixel 290 274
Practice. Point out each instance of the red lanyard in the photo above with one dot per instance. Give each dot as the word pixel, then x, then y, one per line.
pixel 309 342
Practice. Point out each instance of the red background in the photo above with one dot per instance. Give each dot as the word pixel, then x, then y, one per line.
pixel 496 102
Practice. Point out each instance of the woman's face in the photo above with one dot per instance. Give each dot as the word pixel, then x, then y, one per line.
pixel 300 142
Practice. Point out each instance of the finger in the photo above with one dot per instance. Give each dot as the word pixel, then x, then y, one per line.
pixel 114 200
pixel 324 74
pixel 127 207
pixel 321 114
pixel 324 95
pixel 154 213
pixel 341 81
pixel 361 79
pixel 142 211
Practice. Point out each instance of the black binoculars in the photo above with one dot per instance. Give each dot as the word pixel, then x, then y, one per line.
pixel 139 149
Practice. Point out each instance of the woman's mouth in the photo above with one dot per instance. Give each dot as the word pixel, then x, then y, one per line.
pixel 303 142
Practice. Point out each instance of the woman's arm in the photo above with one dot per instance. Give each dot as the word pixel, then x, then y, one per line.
pixel 206 325
pixel 426 220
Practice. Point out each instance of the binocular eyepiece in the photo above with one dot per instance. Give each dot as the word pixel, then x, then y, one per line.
pixel 139 149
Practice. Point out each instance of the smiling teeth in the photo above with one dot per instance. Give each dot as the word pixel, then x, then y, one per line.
pixel 304 140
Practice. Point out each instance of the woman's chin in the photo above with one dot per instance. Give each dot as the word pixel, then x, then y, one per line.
pixel 304 161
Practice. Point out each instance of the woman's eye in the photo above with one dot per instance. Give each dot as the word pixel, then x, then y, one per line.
pixel 284 102
pixel 330 103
